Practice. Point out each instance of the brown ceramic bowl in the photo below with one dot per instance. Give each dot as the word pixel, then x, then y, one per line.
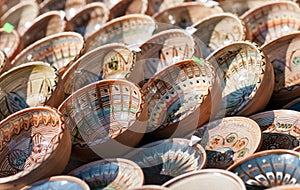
pixel 155 6
pixel 247 78
pixel 102 117
pixel 126 7
pixel 270 21
pixel 5 5
pixel 10 43
pixel 34 144
pixel 280 129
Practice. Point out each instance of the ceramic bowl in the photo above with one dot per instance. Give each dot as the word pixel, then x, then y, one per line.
pixel 155 6
pixel 293 105
pixel 89 19
pixel 126 7
pixel 247 78
pixel 162 160
pixel 59 182
pixel 219 30
pixel 284 55
pixel 133 29
pixel 210 179
pixel 44 25
pixel 5 5
pixel 21 15
pixel 32 141
pixel 111 61
pixel 271 21
pixel 229 140
pixel 102 116
pixel 160 51
pixel 29 85
pixel 179 98
pixel 150 187
pixel 286 187
pixel 269 168
pixel 110 174
pixel 58 49
pixel 10 43
pixel 280 129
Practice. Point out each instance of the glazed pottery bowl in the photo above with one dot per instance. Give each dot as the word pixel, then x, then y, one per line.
pixel 5 5
pixel 155 6
pixel 59 182
pixel 44 25
pixel 28 85
pixel 110 174
pixel 10 43
pixel 89 19
pixel 111 61
pixel 162 160
pixel 35 144
pixel 284 55
pixel 126 7
pixel 286 187
pixel 160 51
pixel 133 29
pixel 57 49
pixel 102 117
pixel 269 168
pixel 150 187
pixel 280 129
pixel 210 179
pixel 271 21
pixel 247 78
pixel 293 105
pixel 229 140
pixel 179 98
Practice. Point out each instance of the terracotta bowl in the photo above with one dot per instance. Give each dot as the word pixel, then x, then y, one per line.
pixel 160 51
pixel 89 19
pixel 59 182
pixel 10 43
pixel 102 117
pixel 247 78
pixel 29 85
pixel 271 21
pixel 179 98
pixel 229 140
pixel 280 129
pixel 110 174
pixel 21 15
pixel 155 6
pixel 165 159
pixel 32 142
pixel 126 7
pixel 284 53
pixel 286 187
pixel 44 25
pixel 150 187
pixel 293 105
pixel 111 61
pixel 210 179
pixel 58 49
pixel 133 29
pixel 269 168
pixel 219 30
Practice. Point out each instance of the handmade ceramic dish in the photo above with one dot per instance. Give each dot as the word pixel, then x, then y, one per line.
pixel 133 29
pixel 210 179
pixel 44 25
pixel 293 105
pixel 126 7
pixel 284 55
pixel 247 78
pixel 286 187
pixel 269 168
pixel 89 19
pixel 162 160
pixel 31 84
pixel 161 50
pixel 271 21
pixel 150 187
pixel 110 174
pixel 155 6
pixel 10 43
pixel 32 141
pixel 102 117
pixel 111 61
pixel 59 182
pixel 5 5
pixel 179 98
pixel 280 129
pixel 57 49
pixel 229 140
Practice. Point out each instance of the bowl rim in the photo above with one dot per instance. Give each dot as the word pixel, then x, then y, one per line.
pixel 17 44
pixel 291 103
pixel 119 4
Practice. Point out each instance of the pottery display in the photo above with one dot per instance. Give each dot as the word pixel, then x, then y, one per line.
pixel 126 7
pixel 210 179
pixel 110 174
pixel 10 43
pixel 280 129
pixel 166 159
pixel 32 141
pixel 247 78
